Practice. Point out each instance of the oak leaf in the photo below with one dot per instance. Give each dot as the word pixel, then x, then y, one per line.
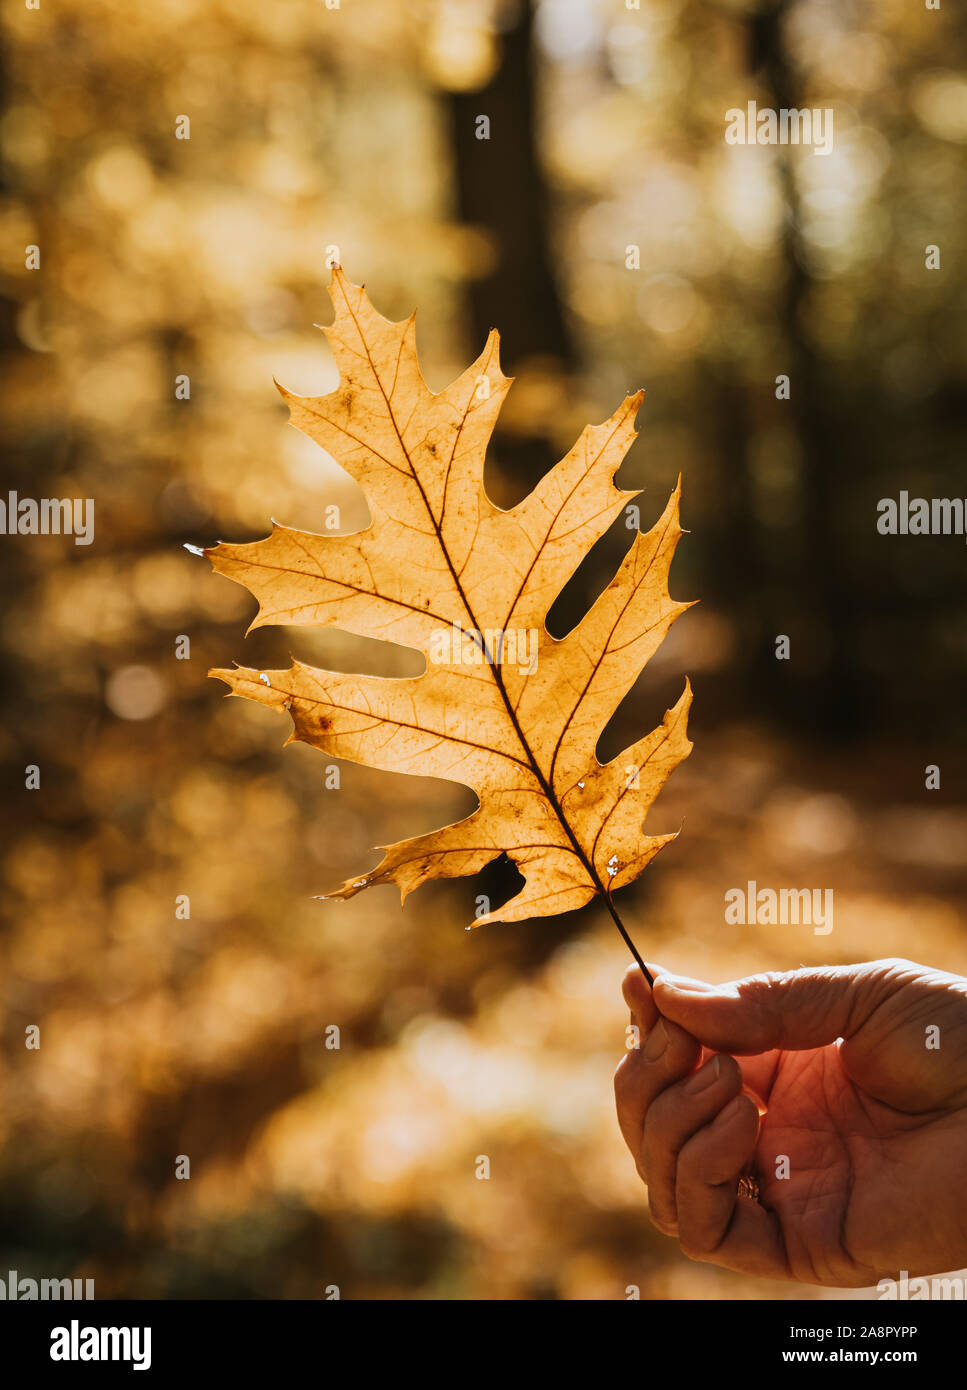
pixel 503 707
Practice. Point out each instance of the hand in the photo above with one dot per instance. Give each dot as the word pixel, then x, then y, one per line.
pixel 857 1074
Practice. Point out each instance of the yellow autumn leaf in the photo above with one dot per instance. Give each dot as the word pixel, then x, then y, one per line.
pixel 502 707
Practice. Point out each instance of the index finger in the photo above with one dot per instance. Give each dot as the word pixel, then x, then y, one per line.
pixel 665 1054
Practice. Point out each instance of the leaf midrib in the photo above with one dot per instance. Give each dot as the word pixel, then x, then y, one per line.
pixel 545 786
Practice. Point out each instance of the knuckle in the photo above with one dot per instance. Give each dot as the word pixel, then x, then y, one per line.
pixel 765 993
pixel 765 986
pixel 895 963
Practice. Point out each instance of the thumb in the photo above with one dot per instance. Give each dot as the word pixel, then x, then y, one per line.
pixel 795 1010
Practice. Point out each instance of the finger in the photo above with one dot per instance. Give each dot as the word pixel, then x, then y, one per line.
pixel 638 996
pixel 707 1176
pixel 752 1244
pixel 758 1071
pixel 797 1010
pixel 715 1224
pixel 666 1054
pixel 674 1117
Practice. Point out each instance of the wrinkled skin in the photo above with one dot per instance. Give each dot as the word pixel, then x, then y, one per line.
pixel 829 1067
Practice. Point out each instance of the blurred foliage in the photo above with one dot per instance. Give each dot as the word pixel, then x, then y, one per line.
pixel 313 128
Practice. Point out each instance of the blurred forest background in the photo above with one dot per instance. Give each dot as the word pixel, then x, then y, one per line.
pixel 313 128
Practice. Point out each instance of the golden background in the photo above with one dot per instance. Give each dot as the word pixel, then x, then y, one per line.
pixel 313 128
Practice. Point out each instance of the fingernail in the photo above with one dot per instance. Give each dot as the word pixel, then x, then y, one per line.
pixel 683 985
pixel 703 1078
pixel 657 1042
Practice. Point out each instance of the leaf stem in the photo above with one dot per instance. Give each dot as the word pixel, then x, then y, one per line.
pixel 628 941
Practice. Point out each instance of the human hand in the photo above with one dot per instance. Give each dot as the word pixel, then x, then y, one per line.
pixel 856 1074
